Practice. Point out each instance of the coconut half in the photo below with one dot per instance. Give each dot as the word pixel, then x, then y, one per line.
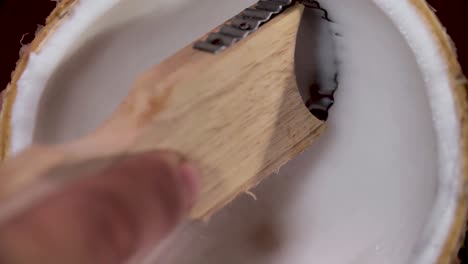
pixel 385 185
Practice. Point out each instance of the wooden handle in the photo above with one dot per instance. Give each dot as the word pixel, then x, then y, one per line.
pixel 237 114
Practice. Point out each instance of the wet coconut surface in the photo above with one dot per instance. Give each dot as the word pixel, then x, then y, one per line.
pixel 452 14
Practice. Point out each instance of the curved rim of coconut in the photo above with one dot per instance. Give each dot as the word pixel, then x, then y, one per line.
pixel 434 50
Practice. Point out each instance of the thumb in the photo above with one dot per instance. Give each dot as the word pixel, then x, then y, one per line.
pixel 106 218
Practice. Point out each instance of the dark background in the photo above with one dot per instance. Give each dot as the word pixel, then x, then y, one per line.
pixel 18 17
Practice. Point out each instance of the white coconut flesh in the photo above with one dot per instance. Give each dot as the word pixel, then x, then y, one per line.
pixel 379 187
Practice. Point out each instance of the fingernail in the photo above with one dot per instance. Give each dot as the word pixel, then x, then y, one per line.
pixel 191 180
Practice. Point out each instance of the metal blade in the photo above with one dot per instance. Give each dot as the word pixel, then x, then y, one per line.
pixel 316 64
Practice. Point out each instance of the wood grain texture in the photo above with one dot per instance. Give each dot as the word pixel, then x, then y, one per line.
pixel 237 114
pixel 241 118
pixel 451 12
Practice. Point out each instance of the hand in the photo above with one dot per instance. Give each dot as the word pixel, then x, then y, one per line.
pixel 107 218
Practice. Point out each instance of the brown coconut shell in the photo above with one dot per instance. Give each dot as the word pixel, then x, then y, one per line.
pixel 459 87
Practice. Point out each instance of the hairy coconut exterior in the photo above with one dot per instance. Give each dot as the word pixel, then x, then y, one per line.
pixel 459 86
pixel 9 95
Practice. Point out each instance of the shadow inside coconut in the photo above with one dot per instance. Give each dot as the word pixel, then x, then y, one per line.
pixel 74 103
pixel 362 193
pixel 365 189
pixel 89 85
